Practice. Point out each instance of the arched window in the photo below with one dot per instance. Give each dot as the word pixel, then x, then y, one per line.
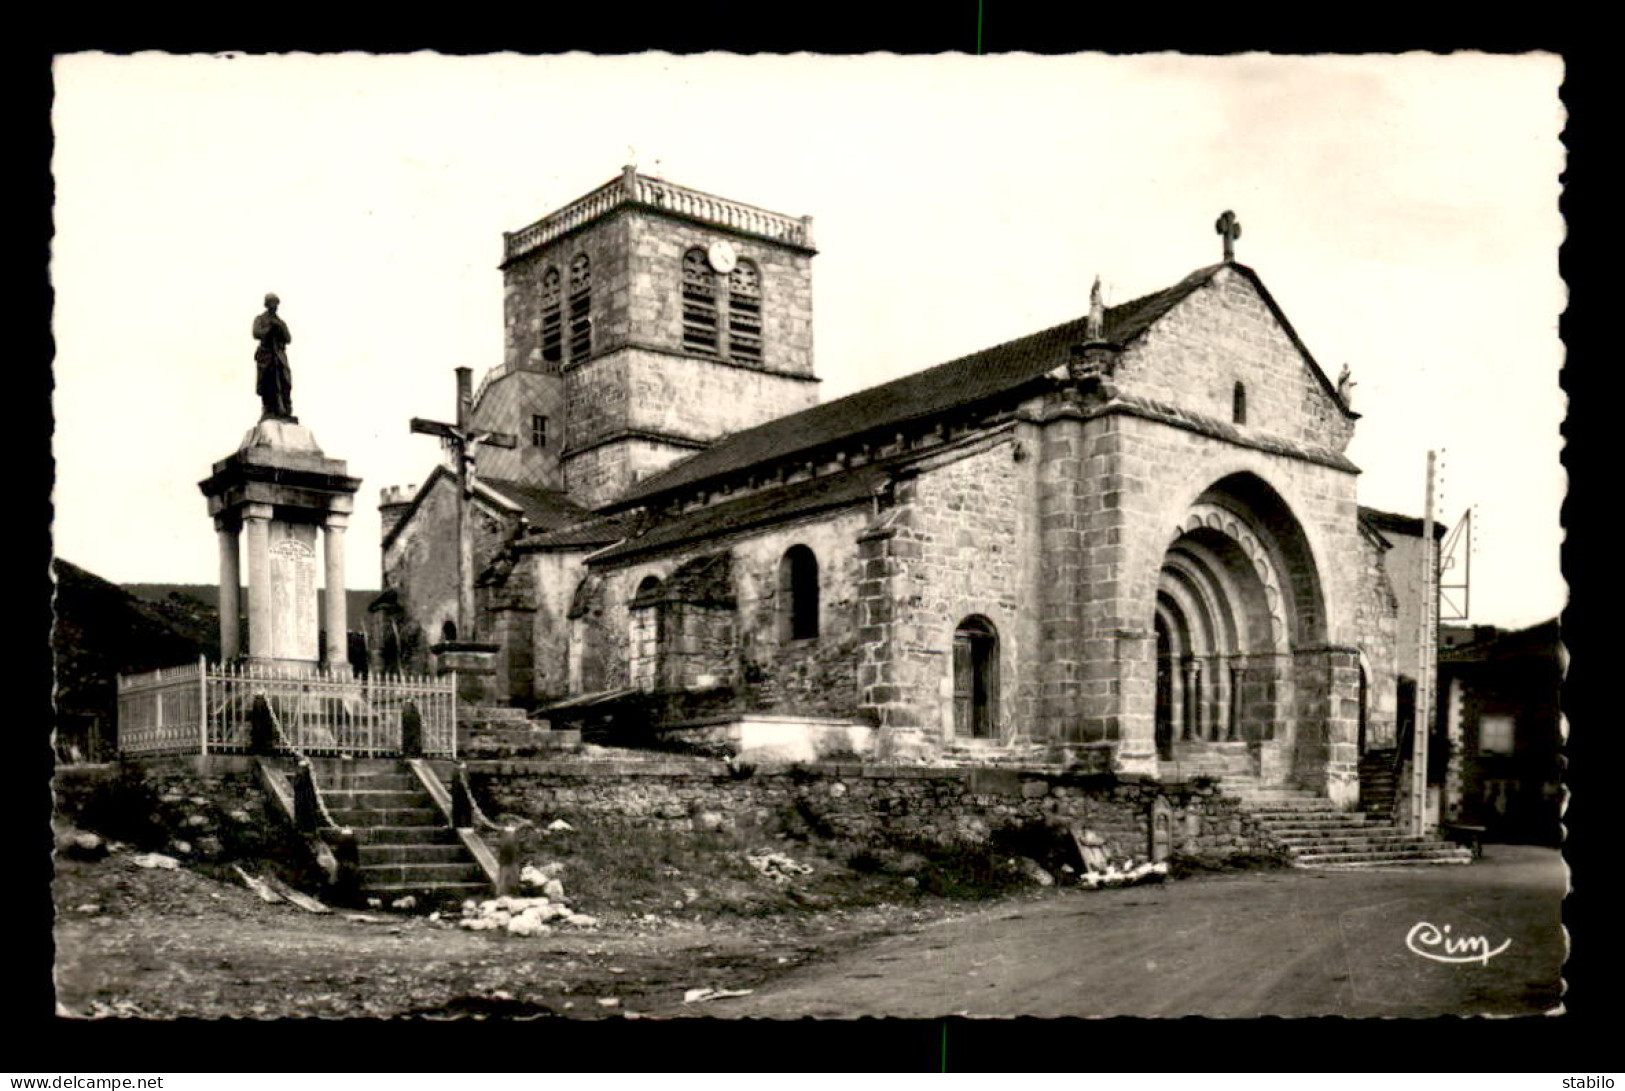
pixel 717 322
pixel 448 630
pixel 580 307
pixel 643 634
pixel 699 303
pixel 1238 404
pixel 976 678
pixel 745 313
pixel 552 316
pixel 798 594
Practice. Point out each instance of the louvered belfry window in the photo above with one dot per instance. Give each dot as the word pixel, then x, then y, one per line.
pixel 745 313
pixel 580 307
pixel 552 317
pixel 699 303
pixel 722 319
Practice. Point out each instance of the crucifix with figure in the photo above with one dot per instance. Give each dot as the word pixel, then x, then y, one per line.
pixel 463 440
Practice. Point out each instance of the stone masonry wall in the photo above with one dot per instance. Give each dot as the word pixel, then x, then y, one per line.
pixel 658 245
pixel 555 575
pixel 1376 618
pixel 420 564
pixel 818 676
pixel 1161 472
pixel 606 246
pixel 207 811
pixel 865 802
pixel 956 550
pixel 666 394
pixel 1223 333
pixel 812 677
pixel 598 475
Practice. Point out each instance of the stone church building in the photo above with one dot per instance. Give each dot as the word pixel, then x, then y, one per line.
pixel 1131 541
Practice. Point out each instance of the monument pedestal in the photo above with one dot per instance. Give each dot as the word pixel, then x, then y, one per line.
pixel 475 664
pixel 280 493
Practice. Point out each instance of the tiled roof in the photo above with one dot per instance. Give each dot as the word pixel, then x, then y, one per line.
pixel 1408 525
pixel 546 509
pixel 772 505
pixel 1536 642
pixel 964 381
pixel 586 535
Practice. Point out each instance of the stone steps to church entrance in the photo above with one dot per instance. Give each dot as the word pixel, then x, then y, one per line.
pixel 402 837
pixel 1314 833
pixel 1341 840
pixel 1420 853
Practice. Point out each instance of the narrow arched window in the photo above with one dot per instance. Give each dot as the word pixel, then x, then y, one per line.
pixel 976 677
pixel 552 316
pixel 448 630
pixel 798 594
pixel 700 332
pixel 643 634
pixel 1238 404
pixel 745 313
pixel 580 307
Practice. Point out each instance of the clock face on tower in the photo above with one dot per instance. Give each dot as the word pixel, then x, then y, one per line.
pixel 722 256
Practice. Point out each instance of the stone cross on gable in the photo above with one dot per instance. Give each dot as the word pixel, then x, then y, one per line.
pixel 1229 227
pixel 462 441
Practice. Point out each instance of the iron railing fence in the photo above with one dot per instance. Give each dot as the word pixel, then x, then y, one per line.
pixel 206 708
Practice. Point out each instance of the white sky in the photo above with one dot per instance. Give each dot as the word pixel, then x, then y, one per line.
pixel 1403 211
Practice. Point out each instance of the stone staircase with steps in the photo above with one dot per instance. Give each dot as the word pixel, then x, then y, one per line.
pixel 1316 834
pixel 1379 789
pixel 485 731
pixel 404 841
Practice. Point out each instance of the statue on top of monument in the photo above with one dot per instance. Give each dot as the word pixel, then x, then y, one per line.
pixel 274 381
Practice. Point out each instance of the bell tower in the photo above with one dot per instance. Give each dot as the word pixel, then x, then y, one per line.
pixel 643 322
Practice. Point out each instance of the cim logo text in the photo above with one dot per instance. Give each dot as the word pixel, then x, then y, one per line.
pixel 1432 942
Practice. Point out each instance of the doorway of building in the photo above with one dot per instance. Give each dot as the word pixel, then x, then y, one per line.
pixel 976 674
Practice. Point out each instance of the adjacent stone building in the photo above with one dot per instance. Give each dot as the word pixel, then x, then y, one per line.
pixel 1131 541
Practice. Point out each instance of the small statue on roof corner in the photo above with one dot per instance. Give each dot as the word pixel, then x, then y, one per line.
pixel 1345 387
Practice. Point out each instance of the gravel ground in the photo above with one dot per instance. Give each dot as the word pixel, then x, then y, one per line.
pixel 162 943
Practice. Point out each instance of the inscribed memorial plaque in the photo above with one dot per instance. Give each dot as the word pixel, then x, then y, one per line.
pixel 294 629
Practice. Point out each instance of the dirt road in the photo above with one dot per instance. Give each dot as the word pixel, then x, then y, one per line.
pixel 1294 943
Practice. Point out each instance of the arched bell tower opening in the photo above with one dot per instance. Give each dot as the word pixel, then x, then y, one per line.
pixel 1243 684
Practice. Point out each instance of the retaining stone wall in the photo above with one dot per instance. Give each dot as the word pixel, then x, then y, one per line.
pixel 201 810
pixel 870 803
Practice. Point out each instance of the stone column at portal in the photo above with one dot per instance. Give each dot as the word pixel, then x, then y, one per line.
pixel 1232 703
pixel 337 620
pixel 257 522
pixel 1193 698
pixel 1218 696
pixel 230 583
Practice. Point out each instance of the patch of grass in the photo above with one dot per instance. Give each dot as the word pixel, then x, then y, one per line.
pixel 636 870
pixel 1186 865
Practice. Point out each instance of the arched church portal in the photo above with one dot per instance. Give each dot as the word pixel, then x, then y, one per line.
pixel 1238 603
